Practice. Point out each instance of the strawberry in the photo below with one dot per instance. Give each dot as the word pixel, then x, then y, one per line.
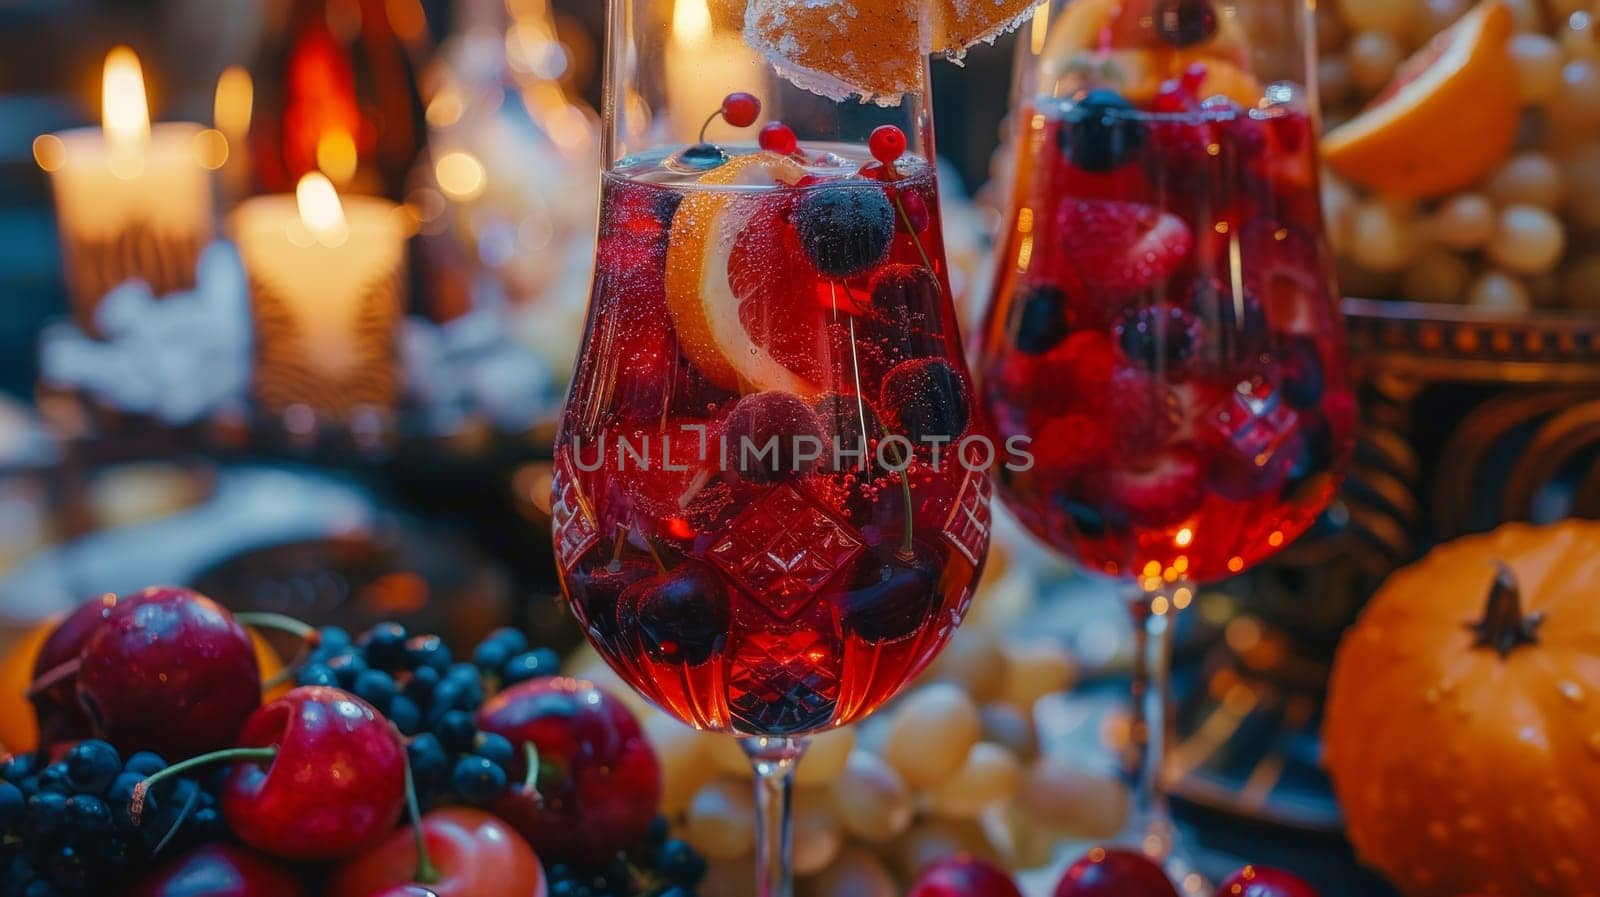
pixel 1121 247
pixel 1068 444
pixel 1283 265
pixel 1145 414
pixel 1160 493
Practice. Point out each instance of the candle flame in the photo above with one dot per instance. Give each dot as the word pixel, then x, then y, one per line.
pixel 124 111
pixel 234 103
pixel 320 209
pixel 691 21
pixel 337 156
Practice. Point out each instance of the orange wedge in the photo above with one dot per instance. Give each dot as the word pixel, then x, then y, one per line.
pixel 837 48
pixel 1447 120
pixel 704 307
pixel 872 48
pixel 958 24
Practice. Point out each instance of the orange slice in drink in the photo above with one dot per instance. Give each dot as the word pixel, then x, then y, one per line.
pixel 1448 118
pixel 704 306
pixel 1122 26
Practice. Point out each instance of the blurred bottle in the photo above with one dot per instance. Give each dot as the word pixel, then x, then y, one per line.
pixel 336 90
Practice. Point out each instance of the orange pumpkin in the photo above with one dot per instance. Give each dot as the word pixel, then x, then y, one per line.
pixel 19 731
pixel 1462 729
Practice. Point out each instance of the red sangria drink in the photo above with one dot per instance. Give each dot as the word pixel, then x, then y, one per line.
pixel 1165 325
pixel 764 516
pixel 1167 333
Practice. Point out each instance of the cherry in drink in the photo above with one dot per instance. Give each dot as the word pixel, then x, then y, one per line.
pixel 764 517
pixel 1166 330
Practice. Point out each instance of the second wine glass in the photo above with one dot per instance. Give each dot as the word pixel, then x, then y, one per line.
pixel 764 518
pixel 1165 325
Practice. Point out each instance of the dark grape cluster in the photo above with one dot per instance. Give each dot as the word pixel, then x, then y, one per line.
pixel 68 828
pixel 432 698
pixel 660 867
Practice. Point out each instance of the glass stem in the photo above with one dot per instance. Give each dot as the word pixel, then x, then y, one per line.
pixel 774 760
pixel 1150 819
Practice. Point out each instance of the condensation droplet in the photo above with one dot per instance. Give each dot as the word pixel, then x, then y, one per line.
pixel 1573 693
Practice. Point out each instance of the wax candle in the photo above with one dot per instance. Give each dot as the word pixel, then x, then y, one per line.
pixel 326 294
pixel 132 200
pixel 706 66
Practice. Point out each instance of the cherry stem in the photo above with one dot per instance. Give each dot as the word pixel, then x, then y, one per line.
pixel 1504 627
pixel 54 676
pixel 894 176
pixel 183 816
pixel 655 554
pixel 308 635
pixel 427 872
pixel 714 116
pixel 231 755
pixel 907 547
pixel 530 757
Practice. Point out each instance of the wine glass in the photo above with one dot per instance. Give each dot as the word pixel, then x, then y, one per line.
pixel 1164 323
pixel 770 499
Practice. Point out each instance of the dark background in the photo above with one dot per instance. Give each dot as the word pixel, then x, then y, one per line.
pixel 51 52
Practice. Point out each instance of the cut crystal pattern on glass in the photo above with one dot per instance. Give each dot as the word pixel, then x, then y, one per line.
pixel 784 548
pixel 775 685
pixel 575 527
pixel 967 527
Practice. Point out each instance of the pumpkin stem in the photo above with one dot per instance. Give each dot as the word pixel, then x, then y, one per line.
pixel 1504 627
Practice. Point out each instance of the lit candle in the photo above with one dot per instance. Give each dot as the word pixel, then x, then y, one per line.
pixel 132 200
pixel 326 293
pixel 705 66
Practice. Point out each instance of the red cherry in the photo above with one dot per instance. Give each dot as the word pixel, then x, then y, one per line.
pixel 740 109
pixel 1263 881
pixel 1108 872
pixel 963 876
pixel 779 138
pixel 169 671
pixel 1193 78
pixel 219 870
pixel 916 209
pixel 55 674
pixel 336 785
pixel 887 143
pixel 474 855
pixel 1174 96
pixel 599 782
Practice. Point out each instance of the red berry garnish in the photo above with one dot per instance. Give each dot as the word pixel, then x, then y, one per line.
pixel 741 109
pixel 779 138
pixel 1262 881
pixel 1173 96
pixel 887 143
